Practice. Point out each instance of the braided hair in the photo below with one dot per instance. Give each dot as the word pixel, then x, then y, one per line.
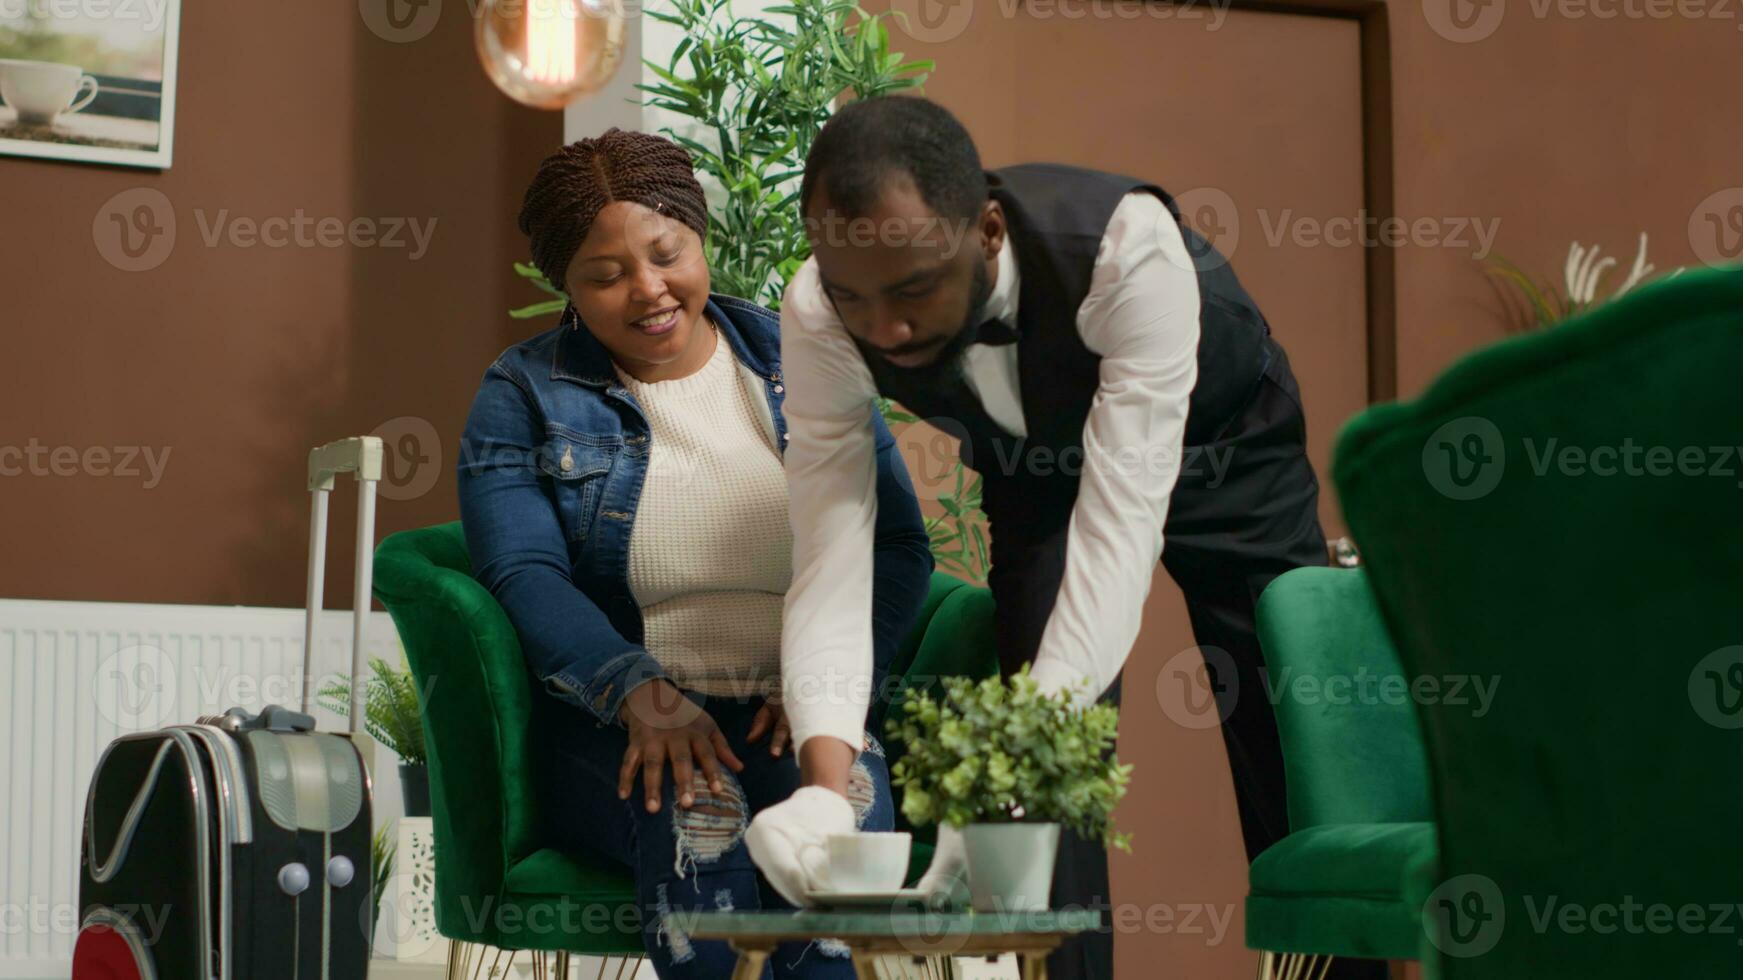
pixel 576 182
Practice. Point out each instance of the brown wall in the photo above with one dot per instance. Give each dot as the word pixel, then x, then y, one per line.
pixel 235 361
pixel 1563 129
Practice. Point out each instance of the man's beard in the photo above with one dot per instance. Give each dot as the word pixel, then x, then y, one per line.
pixel 947 366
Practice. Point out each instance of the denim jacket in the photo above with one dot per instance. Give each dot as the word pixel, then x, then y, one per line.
pixel 551 468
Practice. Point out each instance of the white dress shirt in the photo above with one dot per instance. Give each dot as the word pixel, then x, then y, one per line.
pixel 1141 315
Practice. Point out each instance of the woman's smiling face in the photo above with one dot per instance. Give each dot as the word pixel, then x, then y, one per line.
pixel 640 282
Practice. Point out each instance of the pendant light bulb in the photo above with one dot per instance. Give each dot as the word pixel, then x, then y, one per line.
pixel 548 53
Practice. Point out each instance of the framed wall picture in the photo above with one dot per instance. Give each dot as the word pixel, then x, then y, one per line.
pixel 89 80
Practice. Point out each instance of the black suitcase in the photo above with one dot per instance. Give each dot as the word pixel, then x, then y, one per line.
pixel 238 847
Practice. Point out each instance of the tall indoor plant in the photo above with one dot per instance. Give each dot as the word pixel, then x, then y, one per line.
pixel 753 92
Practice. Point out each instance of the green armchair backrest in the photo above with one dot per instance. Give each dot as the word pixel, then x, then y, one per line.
pixel 1352 748
pixel 463 652
pixel 1559 515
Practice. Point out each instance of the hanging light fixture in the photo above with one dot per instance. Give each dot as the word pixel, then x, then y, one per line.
pixel 547 53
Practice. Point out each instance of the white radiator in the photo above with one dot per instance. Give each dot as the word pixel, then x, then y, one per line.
pixel 73 675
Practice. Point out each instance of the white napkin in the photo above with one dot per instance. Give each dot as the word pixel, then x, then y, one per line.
pixel 790 841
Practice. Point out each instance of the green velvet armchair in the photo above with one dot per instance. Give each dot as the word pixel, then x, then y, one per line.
pixel 496 884
pixel 1560 517
pixel 1359 815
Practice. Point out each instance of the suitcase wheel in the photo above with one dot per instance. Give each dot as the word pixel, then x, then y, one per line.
pixel 109 947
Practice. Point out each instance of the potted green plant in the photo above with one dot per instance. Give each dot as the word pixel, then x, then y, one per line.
pixel 383 855
pixel 392 714
pixel 1009 766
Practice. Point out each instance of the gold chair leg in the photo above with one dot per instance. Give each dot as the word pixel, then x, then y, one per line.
pixel 1293 966
pixel 459 956
pixel 1276 966
pixel 550 965
pixel 476 961
pixel 559 965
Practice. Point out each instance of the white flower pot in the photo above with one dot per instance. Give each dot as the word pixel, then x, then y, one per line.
pixel 1010 865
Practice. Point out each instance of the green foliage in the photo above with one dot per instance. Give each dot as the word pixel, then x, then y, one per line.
pixel 1547 305
pixel 958 536
pixel 391 709
pixel 985 751
pixel 531 273
pixel 383 855
pixel 757 92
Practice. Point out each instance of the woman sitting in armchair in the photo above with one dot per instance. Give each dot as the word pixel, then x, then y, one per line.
pixel 622 493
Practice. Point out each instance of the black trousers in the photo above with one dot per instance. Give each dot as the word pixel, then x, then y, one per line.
pixel 1245 510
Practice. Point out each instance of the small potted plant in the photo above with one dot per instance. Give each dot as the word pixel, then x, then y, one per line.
pixel 394 716
pixel 1009 766
pixel 383 855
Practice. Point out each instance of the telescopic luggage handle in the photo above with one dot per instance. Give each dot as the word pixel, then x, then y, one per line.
pixel 361 455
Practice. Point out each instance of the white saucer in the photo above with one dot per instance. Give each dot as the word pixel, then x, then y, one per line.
pixel 880 899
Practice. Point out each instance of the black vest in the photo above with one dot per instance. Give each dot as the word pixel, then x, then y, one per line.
pixel 1057 216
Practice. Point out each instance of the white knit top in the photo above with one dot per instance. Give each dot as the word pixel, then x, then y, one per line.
pixel 710 555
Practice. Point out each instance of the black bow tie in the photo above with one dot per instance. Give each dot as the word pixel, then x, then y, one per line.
pixel 995 332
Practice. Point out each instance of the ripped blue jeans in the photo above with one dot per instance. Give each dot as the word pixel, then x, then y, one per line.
pixel 696 859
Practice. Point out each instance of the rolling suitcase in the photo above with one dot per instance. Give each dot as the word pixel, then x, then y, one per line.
pixel 237 847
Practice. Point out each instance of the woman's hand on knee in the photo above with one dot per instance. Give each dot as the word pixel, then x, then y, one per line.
pixel 771 717
pixel 665 726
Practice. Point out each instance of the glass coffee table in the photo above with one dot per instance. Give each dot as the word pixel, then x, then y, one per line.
pixel 902 931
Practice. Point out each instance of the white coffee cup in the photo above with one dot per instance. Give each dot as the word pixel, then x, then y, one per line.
pixel 41 90
pixel 874 862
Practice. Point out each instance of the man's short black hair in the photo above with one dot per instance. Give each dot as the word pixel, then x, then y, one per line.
pixel 867 142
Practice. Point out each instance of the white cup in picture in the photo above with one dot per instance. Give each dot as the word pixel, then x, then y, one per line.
pixel 875 862
pixel 39 91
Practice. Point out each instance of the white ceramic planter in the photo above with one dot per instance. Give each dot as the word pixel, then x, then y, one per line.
pixel 1010 865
